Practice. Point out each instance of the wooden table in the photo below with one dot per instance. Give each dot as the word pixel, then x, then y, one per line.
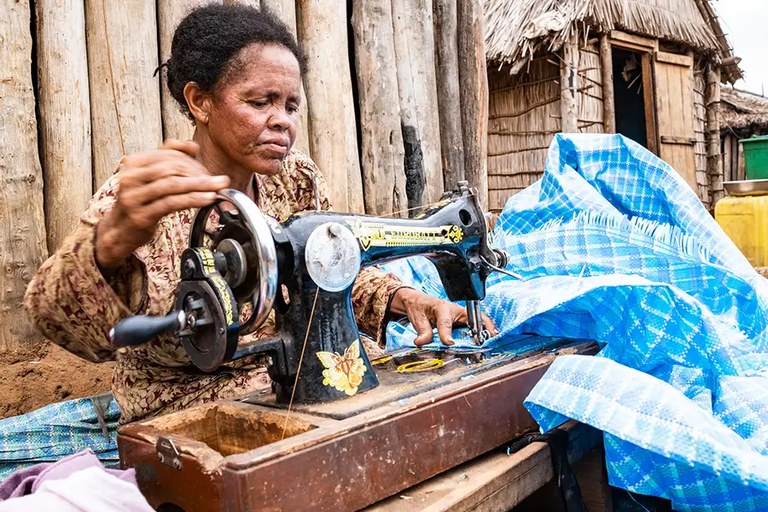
pixel 347 454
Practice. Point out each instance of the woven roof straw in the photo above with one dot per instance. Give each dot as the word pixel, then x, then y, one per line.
pixel 516 30
pixel 742 110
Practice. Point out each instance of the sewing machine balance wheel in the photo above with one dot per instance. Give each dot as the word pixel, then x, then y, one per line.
pixel 243 246
pixel 224 269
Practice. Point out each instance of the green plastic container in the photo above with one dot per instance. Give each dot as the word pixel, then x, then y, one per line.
pixel 756 157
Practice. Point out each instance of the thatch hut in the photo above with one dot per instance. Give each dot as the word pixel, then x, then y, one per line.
pixel 649 69
pixel 742 115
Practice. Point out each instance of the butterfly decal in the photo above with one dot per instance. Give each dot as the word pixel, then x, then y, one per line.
pixel 343 372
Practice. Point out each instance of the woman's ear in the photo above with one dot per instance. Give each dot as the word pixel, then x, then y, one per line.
pixel 198 101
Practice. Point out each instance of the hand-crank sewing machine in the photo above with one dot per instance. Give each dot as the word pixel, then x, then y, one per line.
pixel 335 432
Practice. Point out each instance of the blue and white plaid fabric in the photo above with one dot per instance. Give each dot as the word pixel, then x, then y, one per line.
pixel 55 431
pixel 613 245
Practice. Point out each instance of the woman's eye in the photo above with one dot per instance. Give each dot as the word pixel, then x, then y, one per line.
pixel 292 109
pixel 258 103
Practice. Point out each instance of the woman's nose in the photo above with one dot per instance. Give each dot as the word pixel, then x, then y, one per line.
pixel 280 119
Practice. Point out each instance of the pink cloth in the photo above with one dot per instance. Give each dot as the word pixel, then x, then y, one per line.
pixel 87 490
pixel 77 482
pixel 28 480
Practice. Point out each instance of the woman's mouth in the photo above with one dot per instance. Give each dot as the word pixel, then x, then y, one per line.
pixel 276 147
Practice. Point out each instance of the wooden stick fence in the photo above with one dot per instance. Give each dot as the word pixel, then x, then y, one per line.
pixel 382 116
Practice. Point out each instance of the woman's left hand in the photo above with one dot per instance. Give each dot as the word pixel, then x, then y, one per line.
pixel 426 312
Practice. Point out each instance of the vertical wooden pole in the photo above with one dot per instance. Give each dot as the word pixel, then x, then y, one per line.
pixel 22 222
pixel 712 103
pixel 169 13
pixel 606 69
pixel 417 87
pixel 65 114
pixel 382 141
pixel 286 11
pixel 447 70
pixel 742 170
pixel 474 95
pixel 125 97
pixel 728 171
pixel 651 105
pixel 569 84
pixel 332 126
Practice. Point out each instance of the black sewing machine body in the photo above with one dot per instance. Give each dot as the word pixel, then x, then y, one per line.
pixel 453 237
pixel 333 434
pixel 315 257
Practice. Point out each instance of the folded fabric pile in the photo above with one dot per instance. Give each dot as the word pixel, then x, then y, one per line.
pixel 613 245
pixel 57 430
pixel 76 483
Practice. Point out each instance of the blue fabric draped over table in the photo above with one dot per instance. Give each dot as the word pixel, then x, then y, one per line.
pixel 613 245
pixel 57 430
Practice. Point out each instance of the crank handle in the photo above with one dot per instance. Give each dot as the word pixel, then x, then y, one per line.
pixel 136 330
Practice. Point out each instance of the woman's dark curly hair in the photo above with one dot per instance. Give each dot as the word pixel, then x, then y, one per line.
pixel 209 37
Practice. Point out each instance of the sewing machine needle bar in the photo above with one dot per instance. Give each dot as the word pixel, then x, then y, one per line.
pixel 475 321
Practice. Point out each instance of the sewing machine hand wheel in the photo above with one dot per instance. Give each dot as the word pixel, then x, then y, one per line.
pixel 244 240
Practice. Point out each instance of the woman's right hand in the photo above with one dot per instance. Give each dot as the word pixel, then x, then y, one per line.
pixel 152 185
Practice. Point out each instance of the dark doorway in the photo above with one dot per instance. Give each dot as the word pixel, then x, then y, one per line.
pixel 629 97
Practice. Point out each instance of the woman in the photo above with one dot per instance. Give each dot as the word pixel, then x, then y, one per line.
pixel 236 72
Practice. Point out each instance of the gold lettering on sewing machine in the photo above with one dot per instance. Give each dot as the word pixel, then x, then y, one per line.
pixel 375 234
pixel 206 256
pixel 209 269
pixel 226 297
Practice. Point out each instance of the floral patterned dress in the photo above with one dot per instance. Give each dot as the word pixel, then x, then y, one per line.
pixel 74 305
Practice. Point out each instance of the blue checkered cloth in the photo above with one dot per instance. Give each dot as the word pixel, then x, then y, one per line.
pixel 57 430
pixel 613 245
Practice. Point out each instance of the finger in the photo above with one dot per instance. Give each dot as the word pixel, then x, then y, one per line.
pixel 163 159
pixel 188 147
pixel 134 179
pixel 489 325
pixel 174 185
pixel 459 315
pixel 423 327
pixel 155 211
pixel 444 319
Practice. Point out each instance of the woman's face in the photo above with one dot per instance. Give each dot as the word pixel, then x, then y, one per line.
pixel 254 109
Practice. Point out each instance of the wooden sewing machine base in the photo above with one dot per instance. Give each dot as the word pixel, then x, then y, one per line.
pixel 250 454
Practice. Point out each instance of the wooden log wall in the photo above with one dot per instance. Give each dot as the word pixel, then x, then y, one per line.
pixel 447 70
pixel 22 223
pixel 386 97
pixel 125 96
pixel 332 123
pixel 474 95
pixel 286 11
pixel 65 115
pixel 417 87
pixel 382 142
pixel 169 13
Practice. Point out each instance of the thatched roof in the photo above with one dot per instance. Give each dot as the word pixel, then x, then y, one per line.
pixel 517 29
pixel 743 111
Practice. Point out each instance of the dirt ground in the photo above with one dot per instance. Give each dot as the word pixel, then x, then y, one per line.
pixel 45 373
